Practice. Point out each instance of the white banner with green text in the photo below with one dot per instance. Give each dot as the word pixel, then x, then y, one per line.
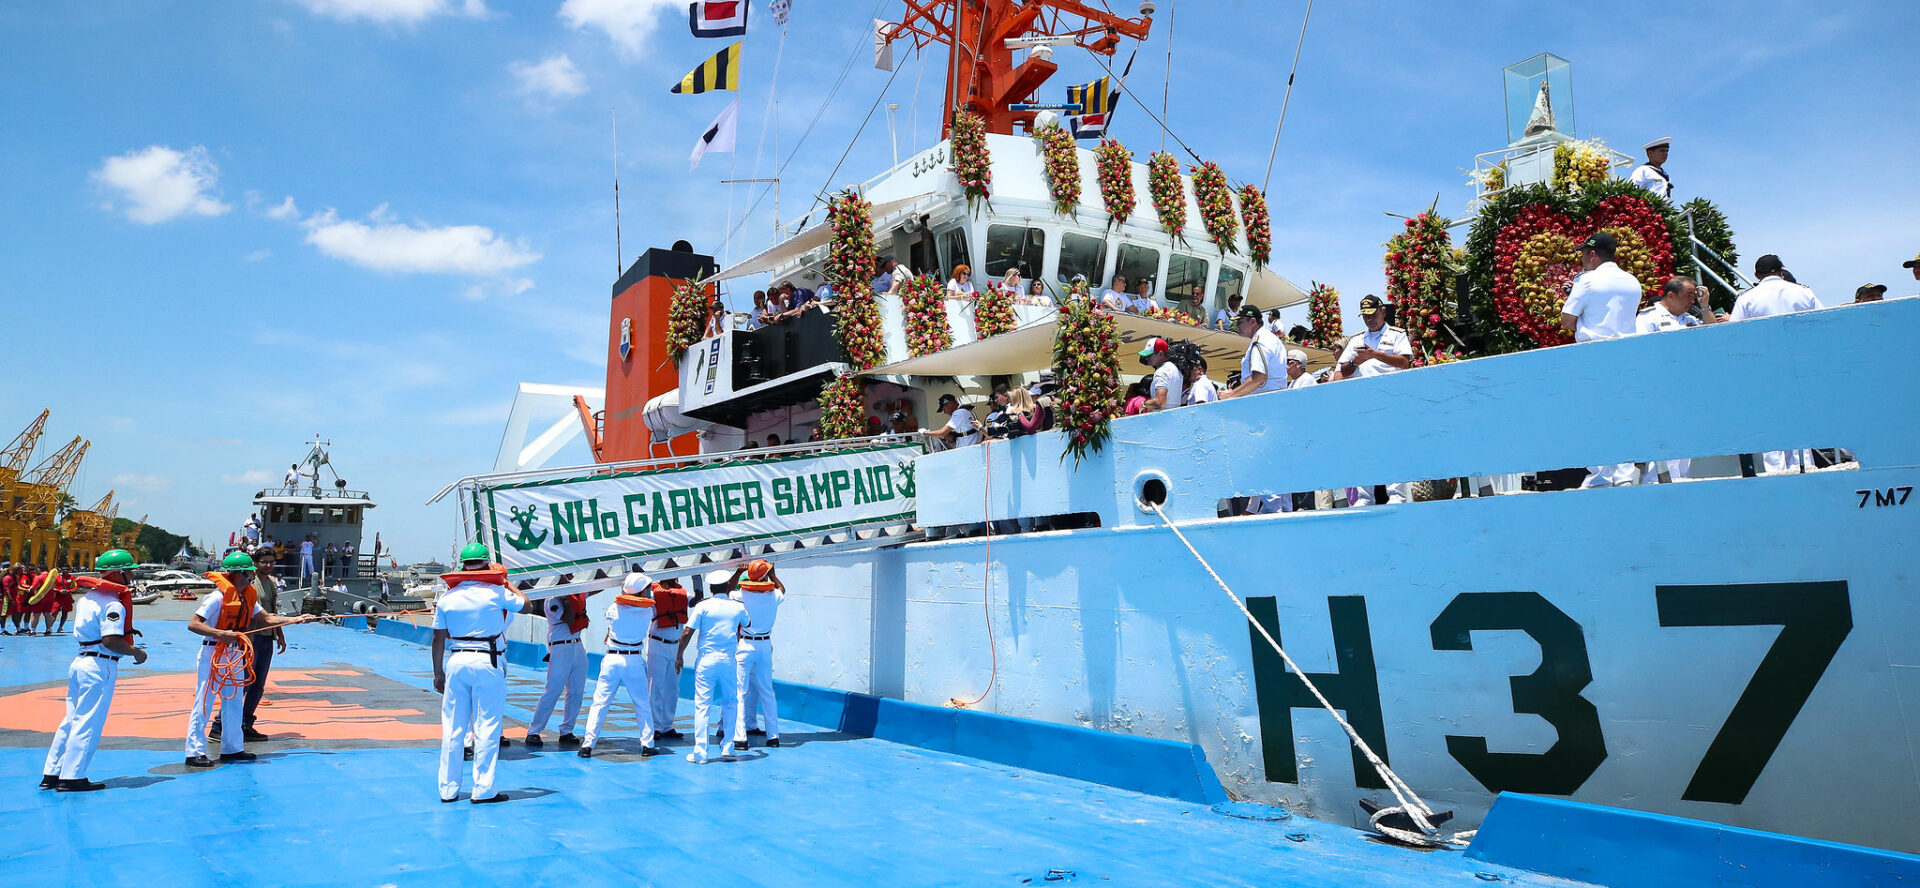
pixel 551 525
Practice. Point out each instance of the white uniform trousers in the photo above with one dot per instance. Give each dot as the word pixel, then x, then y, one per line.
pixel 755 663
pixel 1617 475
pixel 1774 462
pixel 715 681
pixel 1398 492
pixel 566 671
pixel 619 671
pixel 232 738
pixel 90 683
pixel 475 700
pixel 663 683
pixel 1677 470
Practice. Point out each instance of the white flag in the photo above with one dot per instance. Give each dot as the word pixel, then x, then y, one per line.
pixel 719 137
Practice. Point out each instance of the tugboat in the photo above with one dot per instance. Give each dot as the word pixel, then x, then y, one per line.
pixel 324 514
pixel 1738 648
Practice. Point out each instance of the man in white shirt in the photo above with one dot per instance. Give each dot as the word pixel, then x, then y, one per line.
pixel 1223 320
pixel 960 430
pixel 1774 295
pixel 761 593
pixel 1297 375
pixel 293 478
pixel 1605 297
pixel 1200 387
pixel 469 625
pixel 717 620
pixel 1652 175
pixel 566 668
pixel 306 559
pixel 1142 298
pixel 628 618
pixel 1260 368
pixel 1115 298
pixel 103 625
pixel 1382 349
pixel 1167 387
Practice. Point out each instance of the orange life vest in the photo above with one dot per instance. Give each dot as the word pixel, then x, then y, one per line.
pixel 125 594
pixel 625 600
pixel 577 603
pixel 671 606
pixel 493 575
pixel 236 607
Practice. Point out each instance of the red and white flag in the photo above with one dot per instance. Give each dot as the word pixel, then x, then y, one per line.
pixel 717 18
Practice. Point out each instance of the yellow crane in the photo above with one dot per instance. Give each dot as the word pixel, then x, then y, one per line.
pixel 42 489
pixel 13 463
pixel 86 531
pixel 130 540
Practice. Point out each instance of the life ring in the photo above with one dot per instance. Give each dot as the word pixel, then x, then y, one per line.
pixel 46 585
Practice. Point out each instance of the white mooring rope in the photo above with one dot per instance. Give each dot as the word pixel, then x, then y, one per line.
pixel 1409 801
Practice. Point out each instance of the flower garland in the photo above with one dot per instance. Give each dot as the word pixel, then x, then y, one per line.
pixel 1085 355
pixel 1710 226
pixel 1323 316
pixel 972 165
pixel 1169 197
pixel 1419 279
pixel 1061 165
pixel 1253 214
pixel 686 317
pixel 1523 255
pixel 1579 164
pixel 1114 164
pixel 1170 314
pixel 851 265
pixel 1216 206
pixel 993 312
pixel 843 408
pixel 924 302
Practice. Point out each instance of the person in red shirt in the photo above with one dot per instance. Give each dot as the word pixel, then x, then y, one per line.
pixel 11 601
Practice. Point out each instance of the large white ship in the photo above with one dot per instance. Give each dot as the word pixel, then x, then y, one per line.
pixel 1735 648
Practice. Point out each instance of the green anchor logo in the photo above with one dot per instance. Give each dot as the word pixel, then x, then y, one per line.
pixel 526 539
pixel 906 484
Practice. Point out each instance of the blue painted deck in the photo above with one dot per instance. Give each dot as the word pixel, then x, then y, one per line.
pixel 826 809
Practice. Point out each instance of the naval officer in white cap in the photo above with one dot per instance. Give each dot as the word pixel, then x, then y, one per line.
pixel 625 664
pixel 717 621
pixel 1652 175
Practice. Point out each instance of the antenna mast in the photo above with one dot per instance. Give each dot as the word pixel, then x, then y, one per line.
pixel 619 252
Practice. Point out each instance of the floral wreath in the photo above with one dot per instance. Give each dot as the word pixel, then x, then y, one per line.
pixel 1114 165
pixel 686 317
pixel 923 301
pixel 972 165
pixel 1086 356
pixel 1327 331
pixel 1211 191
pixel 1419 280
pixel 1253 214
pixel 851 266
pixel 1060 162
pixel 843 408
pixel 1169 198
pixel 993 311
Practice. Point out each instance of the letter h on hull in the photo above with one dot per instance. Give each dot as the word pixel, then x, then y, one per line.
pixel 1354 689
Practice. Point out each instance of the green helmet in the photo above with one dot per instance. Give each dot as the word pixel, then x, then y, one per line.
pixel 475 552
pixel 113 559
pixel 237 561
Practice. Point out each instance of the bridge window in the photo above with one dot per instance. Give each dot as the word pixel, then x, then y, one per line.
pixel 1137 264
pixel 1080 254
pixel 1008 245
pixel 954 244
pixel 1186 280
pixel 293 514
pixel 1232 283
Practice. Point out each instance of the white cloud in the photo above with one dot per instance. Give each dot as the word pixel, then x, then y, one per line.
pixel 256 256
pixel 137 481
pixel 286 210
pixel 158 183
pixel 507 286
pixel 554 78
pixel 257 476
pixel 628 22
pixel 390 12
pixel 383 244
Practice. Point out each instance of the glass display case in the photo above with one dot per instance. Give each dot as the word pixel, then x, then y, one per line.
pixel 1539 100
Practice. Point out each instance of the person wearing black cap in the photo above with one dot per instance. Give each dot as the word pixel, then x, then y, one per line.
pixel 1604 298
pixel 1775 294
pixel 960 429
pixel 1262 369
pixel 1652 175
pixel 1380 350
pixel 1913 265
pixel 1869 293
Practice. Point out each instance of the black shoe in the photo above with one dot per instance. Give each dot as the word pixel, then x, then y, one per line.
pixel 534 741
pixel 449 801
pixel 773 742
pixel 213 733
pixel 586 752
pixel 50 781
pixel 667 735
pixel 739 746
pixel 753 731
pixel 504 743
pixel 80 785
pixel 253 736
pixel 468 755
pixel 237 756
pixel 649 751
pixel 567 740
pixel 499 797
pixel 199 761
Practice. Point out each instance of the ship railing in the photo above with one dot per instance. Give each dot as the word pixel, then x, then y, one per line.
pixel 339 493
pixel 1725 274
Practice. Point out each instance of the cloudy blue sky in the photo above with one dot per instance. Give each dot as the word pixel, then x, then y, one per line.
pixel 227 225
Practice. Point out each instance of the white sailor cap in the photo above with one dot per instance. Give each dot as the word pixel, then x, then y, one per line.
pixel 1661 142
pixel 719 577
pixel 636 583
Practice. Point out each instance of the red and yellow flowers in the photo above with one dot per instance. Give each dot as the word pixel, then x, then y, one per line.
pixel 843 408
pixel 923 302
pixel 1323 316
pixel 1060 162
pixel 1216 206
pixel 1169 196
pixel 851 266
pixel 1253 214
pixel 1114 165
pixel 687 313
pixel 1419 280
pixel 993 313
pixel 1085 355
pixel 971 164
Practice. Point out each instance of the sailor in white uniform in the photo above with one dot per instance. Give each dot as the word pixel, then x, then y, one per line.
pixel 761 593
pixel 566 668
pixel 663 655
pixel 1775 295
pixel 717 621
pixel 1382 349
pixel 1670 313
pixel 224 615
pixel 1652 175
pixel 469 623
pixel 625 664
pixel 102 625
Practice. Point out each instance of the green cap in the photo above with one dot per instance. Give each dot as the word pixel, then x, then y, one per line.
pixel 113 559
pixel 237 561
pixel 475 552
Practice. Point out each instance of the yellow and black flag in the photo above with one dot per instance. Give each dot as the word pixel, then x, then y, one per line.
pixel 720 72
pixel 1098 97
